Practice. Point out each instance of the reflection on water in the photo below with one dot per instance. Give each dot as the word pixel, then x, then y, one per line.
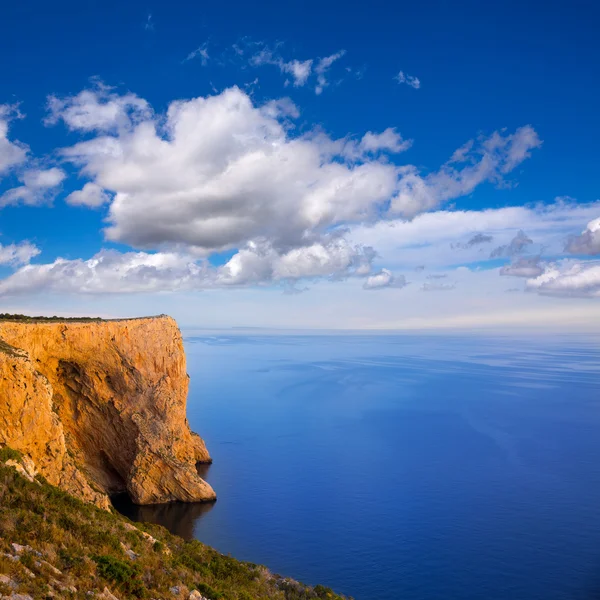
pixel 179 518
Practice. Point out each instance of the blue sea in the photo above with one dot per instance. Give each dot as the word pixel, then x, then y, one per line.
pixel 401 467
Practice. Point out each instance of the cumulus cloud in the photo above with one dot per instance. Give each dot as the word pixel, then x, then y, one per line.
pixel 526 266
pixel 107 272
pixel 487 159
pixel 410 80
pixel 12 152
pixel 388 140
pixel 39 187
pixel 516 246
pixel 131 272
pixel 91 195
pixel 384 279
pixel 17 254
pixel 218 172
pixel 588 242
pixel 98 109
pixel 568 279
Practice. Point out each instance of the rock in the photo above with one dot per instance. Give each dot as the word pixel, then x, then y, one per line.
pixel 129 552
pixel 107 399
pixel 9 556
pixel 18 597
pixel 196 595
pixel 20 549
pixel 51 568
pixel 175 590
pixel 5 580
pixel 107 595
pixel 26 467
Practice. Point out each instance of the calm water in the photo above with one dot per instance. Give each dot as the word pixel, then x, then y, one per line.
pixel 402 467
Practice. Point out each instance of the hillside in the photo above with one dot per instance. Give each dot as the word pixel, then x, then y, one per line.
pixel 53 545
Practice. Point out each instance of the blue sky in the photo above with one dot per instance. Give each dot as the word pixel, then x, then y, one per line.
pixel 240 208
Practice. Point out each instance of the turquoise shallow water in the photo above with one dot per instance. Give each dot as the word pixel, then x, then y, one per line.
pixel 402 467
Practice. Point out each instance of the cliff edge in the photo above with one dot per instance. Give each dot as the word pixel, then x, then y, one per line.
pixel 100 408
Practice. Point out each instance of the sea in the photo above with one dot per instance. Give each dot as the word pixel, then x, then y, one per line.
pixel 400 466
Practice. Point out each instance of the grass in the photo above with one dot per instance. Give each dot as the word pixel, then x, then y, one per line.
pixel 88 545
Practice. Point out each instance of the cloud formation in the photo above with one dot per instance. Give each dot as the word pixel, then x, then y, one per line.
pixel 568 279
pixel 516 246
pixel 12 152
pixel 40 186
pixel 321 69
pixel 91 195
pixel 384 279
pixel 475 240
pixel 17 254
pixel 478 161
pixel 219 172
pixel 99 109
pixel 110 272
pixel 523 267
pixel 201 52
pixel 409 80
pixel 588 242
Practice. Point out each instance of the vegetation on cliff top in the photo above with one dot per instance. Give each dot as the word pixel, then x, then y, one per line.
pixel 55 319
pixel 54 545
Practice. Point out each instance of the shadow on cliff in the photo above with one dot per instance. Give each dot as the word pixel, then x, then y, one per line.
pixel 179 518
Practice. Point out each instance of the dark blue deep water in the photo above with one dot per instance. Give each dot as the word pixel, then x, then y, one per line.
pixel 402 467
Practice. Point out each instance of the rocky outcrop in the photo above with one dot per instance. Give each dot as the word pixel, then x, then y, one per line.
pixel 100 408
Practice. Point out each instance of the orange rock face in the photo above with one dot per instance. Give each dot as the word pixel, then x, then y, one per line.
pixel 100 408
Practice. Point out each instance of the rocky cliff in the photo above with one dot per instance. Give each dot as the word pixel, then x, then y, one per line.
pixel 100 408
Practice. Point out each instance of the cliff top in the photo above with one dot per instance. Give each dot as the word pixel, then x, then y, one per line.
pixel 55 319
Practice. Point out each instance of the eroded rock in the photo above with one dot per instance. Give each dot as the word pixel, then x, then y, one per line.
pixel 100 408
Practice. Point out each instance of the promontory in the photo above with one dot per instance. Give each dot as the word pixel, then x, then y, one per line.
pixel 99 407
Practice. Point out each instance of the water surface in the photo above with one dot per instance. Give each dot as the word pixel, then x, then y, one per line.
pixel 402 466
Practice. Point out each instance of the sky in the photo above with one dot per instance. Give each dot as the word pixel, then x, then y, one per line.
pixel 307 165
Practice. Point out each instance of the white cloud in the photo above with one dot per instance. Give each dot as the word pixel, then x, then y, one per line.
pixel 487 160
pixel 384 279
pixel 389 140
pixel 91 195
pixel 17 254
pixel 588 242
pixel 410 80
pixel 568 279
pixel 12 153
pixel 321 69
pixel 201 52
pixel 516 246
pixel 300 70
pixel 217 173
pixel 98 109
pixel 133 272
pixel 523 267
pixel 39 187
pixel 107 272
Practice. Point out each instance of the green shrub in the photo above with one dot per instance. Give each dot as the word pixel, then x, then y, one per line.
pixel 209 592
pixel 7 453
pixel 124 575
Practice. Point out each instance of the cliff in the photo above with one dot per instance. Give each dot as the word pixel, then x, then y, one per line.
pixel 99 407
